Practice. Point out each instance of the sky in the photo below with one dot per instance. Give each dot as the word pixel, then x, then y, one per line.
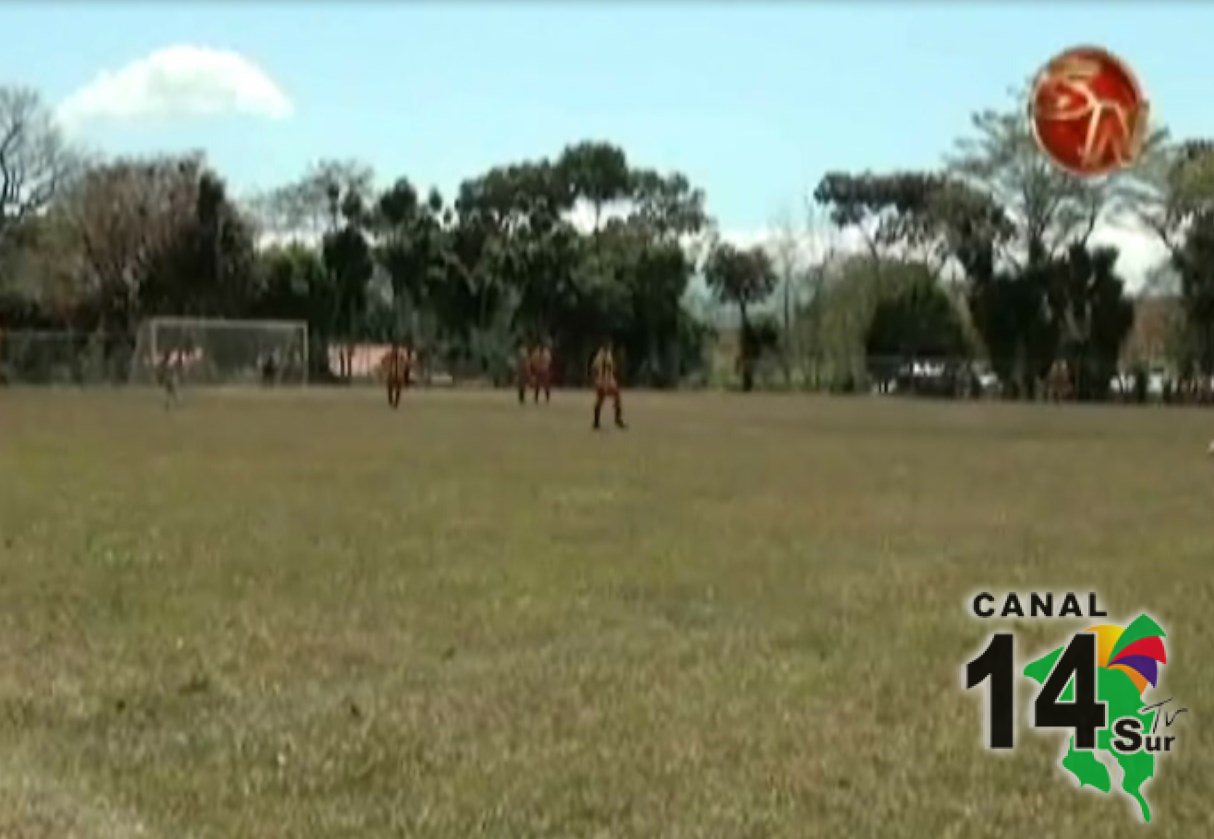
pixel 752 101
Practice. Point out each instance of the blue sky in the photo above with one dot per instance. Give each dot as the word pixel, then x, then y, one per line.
pixel 753 102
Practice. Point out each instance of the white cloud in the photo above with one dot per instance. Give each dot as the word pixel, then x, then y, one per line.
pixel 179 81
pixel 1139 251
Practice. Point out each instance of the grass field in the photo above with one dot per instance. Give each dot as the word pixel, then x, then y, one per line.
pixel 301 614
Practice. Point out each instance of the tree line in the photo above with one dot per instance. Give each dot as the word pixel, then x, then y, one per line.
pixel 986 259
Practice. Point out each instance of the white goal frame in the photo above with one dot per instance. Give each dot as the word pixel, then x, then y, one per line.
pixel 148 346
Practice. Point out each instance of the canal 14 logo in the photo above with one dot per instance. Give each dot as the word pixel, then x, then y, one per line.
pixel 1094 684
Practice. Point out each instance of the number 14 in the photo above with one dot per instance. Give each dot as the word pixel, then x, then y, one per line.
pixel 1078 662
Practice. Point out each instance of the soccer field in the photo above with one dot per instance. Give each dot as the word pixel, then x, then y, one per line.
pixel 302 614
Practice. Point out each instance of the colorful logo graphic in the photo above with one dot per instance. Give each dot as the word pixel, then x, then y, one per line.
pixel 1088 112
pixel 1094 686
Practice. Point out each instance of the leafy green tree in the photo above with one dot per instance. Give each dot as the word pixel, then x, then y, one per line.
pixel 474 303
pixel 891 212
pixel 1020 334
pixel 412 250
pixel 293 284
pixel 1194 259
pixel 918 323
pixel 1172 193
pixel 743 278
pixel 1010 253
pixel 206 264
pixel 665 217
pixel 1016 224
pixel 347 258
pixel 596 172
pixel 1094 316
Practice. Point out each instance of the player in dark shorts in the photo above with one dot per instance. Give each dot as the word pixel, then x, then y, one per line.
pixel 606 384
pixel 169 373
pixel 522 371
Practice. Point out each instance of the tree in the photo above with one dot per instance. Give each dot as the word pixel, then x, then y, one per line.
pixel 1017 225
pixel 36 163
pixel 666 206
pixel 1048 209
pixel 347 258
pixel 1170 185
pixel 205 267
pixel 331 202
pixel 125 215
pixel 1194 260
pixel 784 250
pixel 140 237
pixel 821 241
pixel 313 205
pixel 1017 328
pixel 743 278
pixel 1094 316
pixel 596 172
pixel 511 221
pixel 159 236
pixel 513 247
pixel 668 218
pixel 475 303
pixel 918 323
pixel 293 284
pixel 891 212
pixel 412 247
pixel 1172 193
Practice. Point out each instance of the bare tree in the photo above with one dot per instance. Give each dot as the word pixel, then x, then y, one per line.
pixel 35 160
pixel 1049 209
pixel 311 206
pixel 784 247
pixel 822 248
pixel 123 215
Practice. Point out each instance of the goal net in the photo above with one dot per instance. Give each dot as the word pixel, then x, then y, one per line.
pixel 216 352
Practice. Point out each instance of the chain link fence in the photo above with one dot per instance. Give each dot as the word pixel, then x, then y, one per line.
pixel 45 357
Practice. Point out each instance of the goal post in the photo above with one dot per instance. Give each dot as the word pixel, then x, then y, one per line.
pixel 215 351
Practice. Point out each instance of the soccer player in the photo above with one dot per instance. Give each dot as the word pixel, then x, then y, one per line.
pixel 411 356
pixel 523 372
pixel 396 372
pixel 602 369
pixel 169 374
pixel 1058 381
pixel 269 369
pixel 541 371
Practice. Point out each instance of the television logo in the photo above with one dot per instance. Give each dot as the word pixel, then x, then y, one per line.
pixel 1088 113
pixel 1094 685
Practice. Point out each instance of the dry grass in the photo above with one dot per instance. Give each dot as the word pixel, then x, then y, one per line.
pixel 304 615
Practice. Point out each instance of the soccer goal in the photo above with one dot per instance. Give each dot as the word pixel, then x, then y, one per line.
pixel 210 351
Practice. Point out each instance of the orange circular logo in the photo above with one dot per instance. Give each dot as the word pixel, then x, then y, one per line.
pixel 1087 112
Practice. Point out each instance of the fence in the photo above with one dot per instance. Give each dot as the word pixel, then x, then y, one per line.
pixel 42 357
pixel 48 357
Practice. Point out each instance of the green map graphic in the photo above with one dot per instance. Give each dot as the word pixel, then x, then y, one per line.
pixel 1115 688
